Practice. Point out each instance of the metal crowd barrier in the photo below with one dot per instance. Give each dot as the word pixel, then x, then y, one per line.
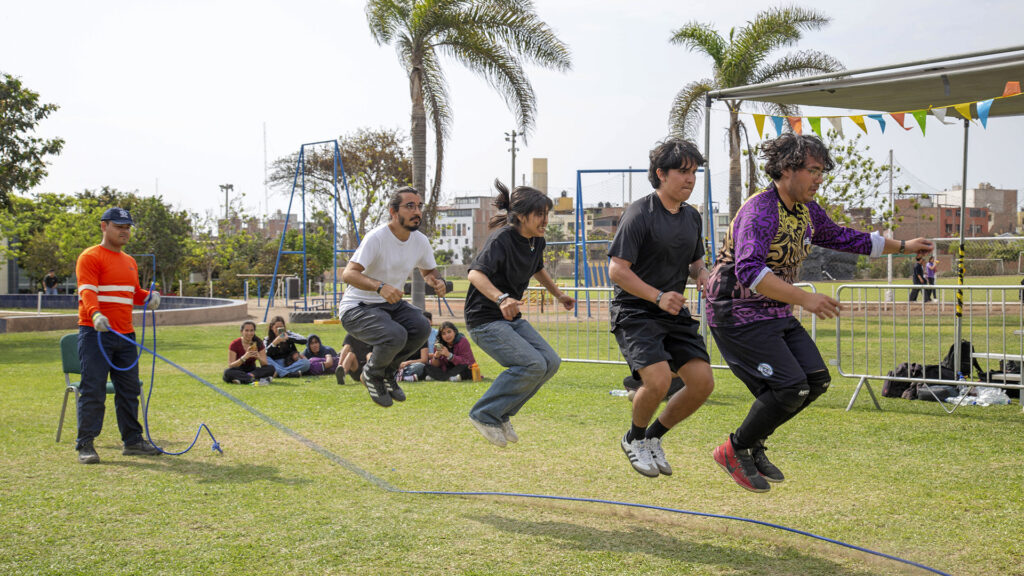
pixel 579 336
pixel 880 329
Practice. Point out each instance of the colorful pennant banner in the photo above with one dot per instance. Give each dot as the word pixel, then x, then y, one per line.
pixel 796 124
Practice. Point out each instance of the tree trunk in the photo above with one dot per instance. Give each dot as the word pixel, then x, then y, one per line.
pixel 735 177
pixel 419 156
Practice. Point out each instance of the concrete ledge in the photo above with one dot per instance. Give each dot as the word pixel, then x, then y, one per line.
pixel 173 312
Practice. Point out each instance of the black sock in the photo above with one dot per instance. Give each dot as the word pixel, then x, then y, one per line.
pixel 656 430
pixel 635 432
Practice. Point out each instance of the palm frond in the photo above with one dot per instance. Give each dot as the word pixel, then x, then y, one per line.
pixel 795 65
pixel 698 37
pixel 769 31
pixel 385 17
pixel 516 26
pixel 686 117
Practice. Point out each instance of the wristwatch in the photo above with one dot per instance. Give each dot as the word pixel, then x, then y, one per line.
pixel 658 299
pixel 903 246
pixel 501 298
pixel 379 287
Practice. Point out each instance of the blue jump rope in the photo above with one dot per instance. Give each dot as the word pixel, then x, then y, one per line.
pixel 384 485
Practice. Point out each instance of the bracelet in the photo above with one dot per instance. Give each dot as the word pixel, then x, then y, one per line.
pixel 658 299
pixel 903 246
pixel 380 287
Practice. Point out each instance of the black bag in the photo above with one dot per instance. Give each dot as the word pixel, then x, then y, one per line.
pixel 967 359
pixel 935 392
pixel 897 388
pixel 939 372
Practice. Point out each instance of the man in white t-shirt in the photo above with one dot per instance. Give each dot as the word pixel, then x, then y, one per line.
pixel 372 310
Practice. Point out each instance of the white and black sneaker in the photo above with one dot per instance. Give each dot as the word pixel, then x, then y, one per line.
pixel 378 391
pixel 658 455
pixel 395 391
pixel 639 455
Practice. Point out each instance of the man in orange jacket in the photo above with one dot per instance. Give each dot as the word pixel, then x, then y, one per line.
pixel 108 287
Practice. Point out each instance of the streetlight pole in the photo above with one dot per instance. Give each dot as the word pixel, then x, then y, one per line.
pixel 226 188
pixel 511 137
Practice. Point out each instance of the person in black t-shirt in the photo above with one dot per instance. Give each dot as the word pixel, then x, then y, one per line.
pixel 498 277
pixel 657 244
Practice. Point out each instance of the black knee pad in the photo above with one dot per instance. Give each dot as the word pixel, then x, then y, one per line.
pixel 792 398
pixel 818 382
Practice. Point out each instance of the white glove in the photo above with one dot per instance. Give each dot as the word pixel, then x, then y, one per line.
pixel 100 322
pixel 154 300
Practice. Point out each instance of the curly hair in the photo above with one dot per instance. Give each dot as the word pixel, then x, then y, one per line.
pixel 790 152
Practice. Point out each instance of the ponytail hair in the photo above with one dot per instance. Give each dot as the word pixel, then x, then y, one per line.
pixel 522 201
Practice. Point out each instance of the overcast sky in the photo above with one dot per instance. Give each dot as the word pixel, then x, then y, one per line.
pixel 172 97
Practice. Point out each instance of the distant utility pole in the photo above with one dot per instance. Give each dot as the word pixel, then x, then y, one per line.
pixel 511 137
pixel 226 188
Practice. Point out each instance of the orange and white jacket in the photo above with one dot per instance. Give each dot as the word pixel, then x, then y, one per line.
pixel 108 282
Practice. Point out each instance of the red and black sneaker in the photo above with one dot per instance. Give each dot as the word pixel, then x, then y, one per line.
pixel 740 465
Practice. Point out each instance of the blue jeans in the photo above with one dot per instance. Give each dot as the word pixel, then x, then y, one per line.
pixel 394 331
pixel 529 360
pixel 93 387
pixel 299 366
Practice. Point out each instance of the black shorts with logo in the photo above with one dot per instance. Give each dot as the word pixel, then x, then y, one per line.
pixel 769 354
pixel 646 338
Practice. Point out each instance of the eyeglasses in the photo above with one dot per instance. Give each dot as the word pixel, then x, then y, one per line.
pixel 814 172
pixel 412 206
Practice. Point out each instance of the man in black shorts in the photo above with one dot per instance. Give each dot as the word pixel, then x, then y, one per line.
pixel 658 244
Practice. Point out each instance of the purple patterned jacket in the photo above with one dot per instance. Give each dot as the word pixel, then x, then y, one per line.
pixel 766 238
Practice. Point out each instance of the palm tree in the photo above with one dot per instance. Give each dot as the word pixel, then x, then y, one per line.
pixel 493 38
pixel 740 61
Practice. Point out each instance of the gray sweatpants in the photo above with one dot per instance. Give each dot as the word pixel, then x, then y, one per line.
pixel 394 331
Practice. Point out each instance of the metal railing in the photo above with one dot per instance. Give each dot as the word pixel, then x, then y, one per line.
pixel 880 329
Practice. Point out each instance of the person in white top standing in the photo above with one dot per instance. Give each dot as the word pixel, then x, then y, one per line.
pixel 373 311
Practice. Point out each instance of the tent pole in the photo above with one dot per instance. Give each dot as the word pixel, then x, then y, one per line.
pixel 958 321
pixel 707 193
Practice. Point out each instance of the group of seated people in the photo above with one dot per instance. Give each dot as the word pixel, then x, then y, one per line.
pixel 447 355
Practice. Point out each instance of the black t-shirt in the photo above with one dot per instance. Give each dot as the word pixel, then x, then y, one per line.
pixel 50 281
pixel 660 245
pixel 359 348
pixel 508 261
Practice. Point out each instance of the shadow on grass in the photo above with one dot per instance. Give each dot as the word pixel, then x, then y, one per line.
pixel 734 560
pixel 206 472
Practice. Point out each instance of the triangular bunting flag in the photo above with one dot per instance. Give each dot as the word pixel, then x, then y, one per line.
pixel 859 121
pixel 964 110
pixel 759 124
pixel 983 108
pixel 837 124
pixel 815 125
pixel 1011 89
pixel 920 116
pixel 898 117
pixel 795 124
pixel 878 118
pixel 777 120
pixel 940 113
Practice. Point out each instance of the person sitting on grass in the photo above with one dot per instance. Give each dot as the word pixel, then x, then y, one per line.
pixel 322 359
pixel 243 354
pixel 281 350
pixel 354 353
pixel 453 356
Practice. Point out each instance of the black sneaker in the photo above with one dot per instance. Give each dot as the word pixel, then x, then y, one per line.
pixel 378 392
pixel 339 375
pixel 770 471
pixel 140 448
pixel 87 454
pixel 395 391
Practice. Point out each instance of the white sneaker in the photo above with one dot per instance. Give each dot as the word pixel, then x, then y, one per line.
pixel 639 455
pixel 455 378
pixel 658 455
pixel 494 434
pixel 509 431
pixel 262 382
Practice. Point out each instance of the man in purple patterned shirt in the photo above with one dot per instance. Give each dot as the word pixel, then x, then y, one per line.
pixel 751 293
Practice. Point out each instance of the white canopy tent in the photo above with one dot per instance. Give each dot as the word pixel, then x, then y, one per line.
pixel 921 85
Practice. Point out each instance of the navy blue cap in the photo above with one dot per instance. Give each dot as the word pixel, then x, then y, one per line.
pixel 117 216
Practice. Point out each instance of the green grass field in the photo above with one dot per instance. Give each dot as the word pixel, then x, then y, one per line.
pixel 910 481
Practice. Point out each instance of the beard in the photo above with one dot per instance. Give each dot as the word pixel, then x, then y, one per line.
pixel 410 227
